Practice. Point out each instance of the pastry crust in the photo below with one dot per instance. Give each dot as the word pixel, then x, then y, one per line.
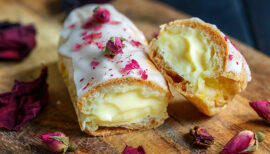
pixel 234 80
pixel 81 102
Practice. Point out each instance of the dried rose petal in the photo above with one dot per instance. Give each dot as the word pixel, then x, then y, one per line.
pixel 58 142
pixel 262 108
pixel 144 76
pixel 114 46
pixel 230 57
pixel 131 150
pixel 244 142
pixel 24 102
pixel 94 64
pixel 135 43
pixel 92 37
pixel 101 15
pixel 16 41
pixel 77 47
pixel 201 137
pixel 112 22
pixel 100 45
pixel 133 64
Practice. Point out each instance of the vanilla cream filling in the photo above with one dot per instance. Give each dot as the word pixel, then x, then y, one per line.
pixel 123 104
pixel 190 54
pixel 129 106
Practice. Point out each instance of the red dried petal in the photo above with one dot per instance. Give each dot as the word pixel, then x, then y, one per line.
pixel 94 63
pixel 226 38
pixel 71 26
pixel 77 47
pixel 100 45
pixel 23 102
pixel 133 64
pixel 89 23
pixel 114 22
pixel 131 150
pixel 92 37
pixel 230 57
pixel 16 42
pixel 135 43
pixel 144 76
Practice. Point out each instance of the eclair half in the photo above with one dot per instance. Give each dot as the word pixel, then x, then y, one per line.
pixel 113 84
pixel 201 63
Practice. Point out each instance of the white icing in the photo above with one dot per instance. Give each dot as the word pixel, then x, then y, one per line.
pixel 107 69
pixel 238 61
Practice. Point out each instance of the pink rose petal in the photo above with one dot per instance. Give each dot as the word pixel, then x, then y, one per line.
pixel 135 43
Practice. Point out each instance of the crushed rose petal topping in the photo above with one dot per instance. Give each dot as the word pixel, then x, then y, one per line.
pixel 92 37
pixel 94 64
pixel 100 45
pixel 230 57
pixel 71 26
pixel 133 64
pixel 135 43
pixel 77 47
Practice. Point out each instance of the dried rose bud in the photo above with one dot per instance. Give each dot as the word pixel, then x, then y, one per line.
pixel 244 142
pixel 114 46
pixel 201 137
pixel 262 108
pixel 131 150
pixel 101 15
pixel 57 142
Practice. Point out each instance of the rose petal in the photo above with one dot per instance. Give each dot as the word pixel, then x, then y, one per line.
pixel 16 41
pixel 135 43
pixel 23 102
pixel 133 64
pixel 131 150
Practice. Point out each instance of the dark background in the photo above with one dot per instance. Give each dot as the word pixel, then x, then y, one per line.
pixel 245 20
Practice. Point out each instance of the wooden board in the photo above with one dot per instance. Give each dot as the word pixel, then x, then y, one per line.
pixel 171 137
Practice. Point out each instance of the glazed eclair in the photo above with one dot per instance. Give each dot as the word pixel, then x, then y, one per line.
pixel 113 84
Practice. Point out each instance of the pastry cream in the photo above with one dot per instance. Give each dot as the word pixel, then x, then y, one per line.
pixel 129 106
pixel 188 52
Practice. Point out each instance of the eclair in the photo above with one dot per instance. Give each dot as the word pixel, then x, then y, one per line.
pixel 201 63
pixel 112 83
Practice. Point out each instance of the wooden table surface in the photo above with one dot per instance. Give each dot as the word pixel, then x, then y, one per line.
pixel 59 115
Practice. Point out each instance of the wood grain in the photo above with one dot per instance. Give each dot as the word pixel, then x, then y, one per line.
pixel 59 115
